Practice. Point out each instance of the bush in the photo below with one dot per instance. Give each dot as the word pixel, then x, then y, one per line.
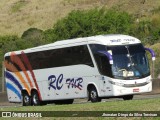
pixel 88 23
pixel 142 31
pixel 34 37
pixel 148 31
pixel 7 44
pixel 155 23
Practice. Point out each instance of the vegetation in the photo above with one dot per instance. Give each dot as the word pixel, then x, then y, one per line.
pixel 87 23
pixel 91 22
pixel 156 48
pixel 18 5
pixel 34 29
pixel 131 105
pixel 43 14
pixel 34 37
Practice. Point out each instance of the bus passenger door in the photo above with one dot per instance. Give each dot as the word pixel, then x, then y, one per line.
pixel 102 85
pixel 105 70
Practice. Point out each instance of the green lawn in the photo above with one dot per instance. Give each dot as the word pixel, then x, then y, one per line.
pixel 132 105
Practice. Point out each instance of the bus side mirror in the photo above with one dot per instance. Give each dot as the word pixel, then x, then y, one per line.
pixel 153 59
pixel 152 53
pixel 108 55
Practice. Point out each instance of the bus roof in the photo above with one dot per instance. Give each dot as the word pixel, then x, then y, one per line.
pixel 110 40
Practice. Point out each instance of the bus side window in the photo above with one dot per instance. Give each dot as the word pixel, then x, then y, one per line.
pixel 102 61
pixel 105 66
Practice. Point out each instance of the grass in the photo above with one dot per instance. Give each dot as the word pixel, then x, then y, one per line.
pixel 18 5
pixel 133 105
pixel 19 15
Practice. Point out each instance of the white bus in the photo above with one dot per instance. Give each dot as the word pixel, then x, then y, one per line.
pixel 96 67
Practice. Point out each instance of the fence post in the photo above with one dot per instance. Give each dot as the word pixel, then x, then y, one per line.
pixel 153 77
pixel 3 89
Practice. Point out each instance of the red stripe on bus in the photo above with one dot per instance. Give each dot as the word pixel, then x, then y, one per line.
pixel 26 60
pixel 18 61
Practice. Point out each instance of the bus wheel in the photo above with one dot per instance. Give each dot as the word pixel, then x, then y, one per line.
pixel 26 101
pixel 128 97
pixel 93 95
pixel 35 99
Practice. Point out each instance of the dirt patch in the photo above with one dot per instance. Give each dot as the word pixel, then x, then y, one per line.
pixel 4 100
pixel 156 86
pixel 3 97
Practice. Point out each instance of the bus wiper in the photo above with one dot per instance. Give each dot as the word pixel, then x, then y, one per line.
pixel 129 55
pixel 131 62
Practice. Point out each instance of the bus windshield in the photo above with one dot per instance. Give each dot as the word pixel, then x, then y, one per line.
pixel 129 61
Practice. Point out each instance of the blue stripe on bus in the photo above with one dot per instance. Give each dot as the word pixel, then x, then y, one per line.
pixel 13 89
pixel 13 79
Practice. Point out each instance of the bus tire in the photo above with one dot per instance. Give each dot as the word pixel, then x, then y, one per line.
pixel 128 97
pixel 93 95
pixel 35 99
pixel 26 100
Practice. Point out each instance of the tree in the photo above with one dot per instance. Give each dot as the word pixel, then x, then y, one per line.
pixel 34 36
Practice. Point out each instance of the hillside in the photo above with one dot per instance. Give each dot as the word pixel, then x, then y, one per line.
pixel 16 16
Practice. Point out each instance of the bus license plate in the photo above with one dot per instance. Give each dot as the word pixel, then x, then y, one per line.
pixel 136 90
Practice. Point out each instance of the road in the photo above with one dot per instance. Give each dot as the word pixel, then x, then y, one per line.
pixel 4 102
